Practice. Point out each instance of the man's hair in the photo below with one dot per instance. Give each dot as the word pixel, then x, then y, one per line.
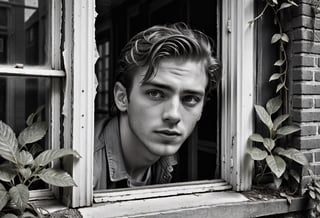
pixel 149 47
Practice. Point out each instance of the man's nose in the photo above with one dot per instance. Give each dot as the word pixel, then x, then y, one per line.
pixel 171 112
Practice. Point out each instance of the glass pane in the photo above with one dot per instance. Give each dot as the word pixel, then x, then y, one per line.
pixel 24 32
pixel 19 98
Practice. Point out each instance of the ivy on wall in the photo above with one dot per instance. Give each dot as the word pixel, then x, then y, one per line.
pixel 273 157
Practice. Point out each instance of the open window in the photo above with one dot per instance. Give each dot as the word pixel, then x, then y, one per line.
pixel 30 71
pixel 214 155
pixel 221 145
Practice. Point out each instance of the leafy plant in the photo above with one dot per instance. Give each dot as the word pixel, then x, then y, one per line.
pixel 270 151
pixel 313 191
pixel 24 163
pixel 272 155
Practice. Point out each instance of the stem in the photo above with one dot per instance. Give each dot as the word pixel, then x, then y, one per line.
pixel 260 15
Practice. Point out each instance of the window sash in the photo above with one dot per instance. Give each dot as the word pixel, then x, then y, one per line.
pixel 164 190
pixel 237 98
pixel 30 71
pixel 54 97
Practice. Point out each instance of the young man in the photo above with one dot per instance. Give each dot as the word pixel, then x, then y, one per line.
pixel 165 74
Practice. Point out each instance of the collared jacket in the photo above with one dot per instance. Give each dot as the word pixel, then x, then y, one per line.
pixel 109 166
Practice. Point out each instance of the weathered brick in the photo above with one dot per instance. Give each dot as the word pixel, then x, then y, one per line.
pixel 302 102
pixel 306 47
pixel 308 130
pixel 317 156
pixel 307 142
pixel 308 115
pixel 317 103
pixel 305 21
pixel 309 156
pixel 317 76
pixel 306 34
pixel 302 75
pixel 303 9
pixel 303 88
pixel 303 61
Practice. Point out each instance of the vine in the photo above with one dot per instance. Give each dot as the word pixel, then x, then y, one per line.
pixel 270 152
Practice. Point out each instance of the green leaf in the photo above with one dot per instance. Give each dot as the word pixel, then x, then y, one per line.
pixel 256 137
pixel 56 177
pixel 8 143
pixel 287 130
pixel 279 63
pixel 35 149
pixel 24 158
pixel 285 37
pixel 25 172
pixel 33 133
pixel 279 120
pixel 312 194
pixel 280 86
pixel 49 155
pixel 275 38
pixel 268 144
pixel 7 172
pixel 277 182
pixel 295 175
pixel 276 164
pixel 9 215
pixel 275 1
pixel 293 3
pixel 285 5
pixel 264 116
pixel 19 195
pixel 294 155
pixel 275 76
pixel 257 154
pixel 274 104
pixel 4 197
pixel 31 117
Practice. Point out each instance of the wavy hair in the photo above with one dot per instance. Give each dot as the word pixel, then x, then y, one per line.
pixel 178 40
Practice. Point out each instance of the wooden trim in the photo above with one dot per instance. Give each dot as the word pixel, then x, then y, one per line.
pixel 238 90
pixel 80 56
pixel 156 191
pixel 30 71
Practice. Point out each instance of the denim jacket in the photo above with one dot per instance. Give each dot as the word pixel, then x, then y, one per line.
pixel 109 166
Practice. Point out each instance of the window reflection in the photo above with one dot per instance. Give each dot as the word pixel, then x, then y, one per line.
pixel 23 31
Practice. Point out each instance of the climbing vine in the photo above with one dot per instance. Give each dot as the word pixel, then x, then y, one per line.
pixel 270 151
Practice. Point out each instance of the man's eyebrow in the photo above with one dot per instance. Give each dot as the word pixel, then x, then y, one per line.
pixel 167 87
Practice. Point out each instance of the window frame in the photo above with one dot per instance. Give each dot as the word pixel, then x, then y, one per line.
pixel 54 72
pixel 237 88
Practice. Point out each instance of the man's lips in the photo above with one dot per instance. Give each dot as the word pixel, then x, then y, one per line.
pixel 168 132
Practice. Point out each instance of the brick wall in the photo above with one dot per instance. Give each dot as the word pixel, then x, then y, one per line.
pixel 304 89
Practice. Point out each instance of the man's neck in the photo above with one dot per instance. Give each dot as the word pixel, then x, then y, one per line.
pixel 137 157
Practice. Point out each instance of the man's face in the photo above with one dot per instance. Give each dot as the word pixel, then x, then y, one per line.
pixel 163 111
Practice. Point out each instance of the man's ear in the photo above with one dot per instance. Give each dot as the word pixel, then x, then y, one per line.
pixel 120 97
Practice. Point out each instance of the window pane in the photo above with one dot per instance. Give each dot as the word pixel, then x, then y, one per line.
pixel 19 97
pixel 24 32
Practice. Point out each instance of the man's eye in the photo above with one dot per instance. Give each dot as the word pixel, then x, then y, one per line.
pixel 191 100
pixel 155 94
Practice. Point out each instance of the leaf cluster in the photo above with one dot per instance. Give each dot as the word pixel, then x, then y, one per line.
pixel 271 153
pixel 313 191
pixel 25 162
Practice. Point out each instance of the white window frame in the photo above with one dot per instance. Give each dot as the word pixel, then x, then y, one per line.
pixel 237 44
pixel 54 72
